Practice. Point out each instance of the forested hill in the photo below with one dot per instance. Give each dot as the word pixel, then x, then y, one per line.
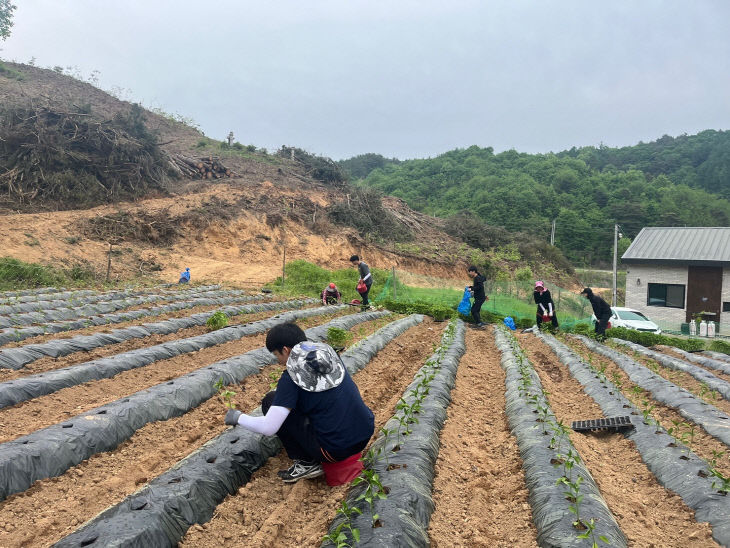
pixel 580 189
pixel 700 161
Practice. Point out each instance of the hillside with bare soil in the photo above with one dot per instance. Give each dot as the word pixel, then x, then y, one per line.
pixel 83 173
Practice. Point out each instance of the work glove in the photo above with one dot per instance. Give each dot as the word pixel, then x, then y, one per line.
pixel 232 417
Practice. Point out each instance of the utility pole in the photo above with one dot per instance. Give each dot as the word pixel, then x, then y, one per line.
pixel 615 260
pixel 552 234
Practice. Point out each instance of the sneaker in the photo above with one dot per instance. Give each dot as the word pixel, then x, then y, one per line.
pixel 300 470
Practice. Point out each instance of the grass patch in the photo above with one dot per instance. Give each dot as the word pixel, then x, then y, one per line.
pixel 15 274
pixel 11 73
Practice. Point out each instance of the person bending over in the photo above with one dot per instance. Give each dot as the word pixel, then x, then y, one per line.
pixel 331 295
pixel 601 310
pixel 365 278
pixel 316 410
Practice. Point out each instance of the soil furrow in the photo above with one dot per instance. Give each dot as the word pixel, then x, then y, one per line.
pixel 38 413
pixel 648 514
pixel 267 512
pixel 53 508
pixel 703 443
pixel 479 480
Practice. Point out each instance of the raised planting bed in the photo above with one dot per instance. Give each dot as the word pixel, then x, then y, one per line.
pixel 567 506
pixel 393 495
pixel 712 420
pixel 720 386
pixel 705 359
pixel 33 386
pixel 81 293
pixel 72 313
pixel 675 467
pixel 193 300
pixel 160 513
pixel 16 358
pixel 51 451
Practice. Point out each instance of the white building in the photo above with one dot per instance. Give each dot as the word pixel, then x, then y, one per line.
pixel 673 273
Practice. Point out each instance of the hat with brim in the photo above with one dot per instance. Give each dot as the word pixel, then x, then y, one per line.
pixel 315 367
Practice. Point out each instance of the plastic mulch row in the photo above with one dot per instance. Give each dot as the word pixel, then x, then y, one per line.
pixel 676 468
pixel 50 451
pixel 33 386
pixel 72 313
pixel 159 514
pixel 18 334
pixel 715 422
pixel 550 508
pixel 409 472
pixel 82 293
pixel 706 359
pixel 702 375
pixel 73 298
pixel 18 357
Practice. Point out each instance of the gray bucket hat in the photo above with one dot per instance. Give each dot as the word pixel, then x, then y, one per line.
pixel 315 367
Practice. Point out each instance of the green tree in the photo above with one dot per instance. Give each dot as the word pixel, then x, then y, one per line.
pixel 6 18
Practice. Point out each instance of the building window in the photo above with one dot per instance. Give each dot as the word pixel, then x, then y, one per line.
pixel 726 307
pixel 670 295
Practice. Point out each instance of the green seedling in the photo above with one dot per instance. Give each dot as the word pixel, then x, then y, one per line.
pixel 616 379
pixel 217 320
pixel 637 390
pixel 226 395
pixel 573 495
pixel 646 411
pixel 338 338
pixel 688 436
pixel 590 532
pixel 338 537
pixel 274 378
pixel 374 490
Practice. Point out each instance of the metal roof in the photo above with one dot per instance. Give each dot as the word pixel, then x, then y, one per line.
pixel 700 245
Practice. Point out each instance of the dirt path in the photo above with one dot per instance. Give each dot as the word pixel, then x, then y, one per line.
pixel 667 350
pixel 37 413
pixel 479 489
pixel 53 508
pixel 647 513
pixel 703 444
pixel 267 512
pixel 50 364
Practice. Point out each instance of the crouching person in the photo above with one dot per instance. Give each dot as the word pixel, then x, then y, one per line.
pixel 316 410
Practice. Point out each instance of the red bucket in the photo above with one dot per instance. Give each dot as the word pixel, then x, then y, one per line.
pixel 344 471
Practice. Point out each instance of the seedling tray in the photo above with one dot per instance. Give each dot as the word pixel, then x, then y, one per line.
pixel 612 423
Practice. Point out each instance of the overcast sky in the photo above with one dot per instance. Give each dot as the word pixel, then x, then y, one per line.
pixel 403 78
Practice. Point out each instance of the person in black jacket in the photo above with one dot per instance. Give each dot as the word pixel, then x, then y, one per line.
pixel 365 277
pixel 601 310
pixel 477 291
pixel 545 305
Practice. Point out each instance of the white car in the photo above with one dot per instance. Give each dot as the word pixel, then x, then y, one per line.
pixel 630 319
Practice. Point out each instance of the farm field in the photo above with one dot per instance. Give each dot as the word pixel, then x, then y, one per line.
pixel 114 434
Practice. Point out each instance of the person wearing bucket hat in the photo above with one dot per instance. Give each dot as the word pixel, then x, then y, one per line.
pixel 545 305
pixel 330 294
pixel 316 410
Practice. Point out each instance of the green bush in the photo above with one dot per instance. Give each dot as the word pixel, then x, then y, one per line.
pixel 436 311
pixel 651 339
pixel 524 274
pixel 338 338
pixel 524 323
pixel 217 321
pixel 720 346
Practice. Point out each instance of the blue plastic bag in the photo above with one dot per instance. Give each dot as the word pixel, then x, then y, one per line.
pixel 509 322
pixel 465 304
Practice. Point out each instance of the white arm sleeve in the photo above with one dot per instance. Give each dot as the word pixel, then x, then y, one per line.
pixel 550 308
pixel 269 424
pixel 366 277
pixel 542 308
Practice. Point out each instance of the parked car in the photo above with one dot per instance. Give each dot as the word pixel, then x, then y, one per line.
pixel 630 319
